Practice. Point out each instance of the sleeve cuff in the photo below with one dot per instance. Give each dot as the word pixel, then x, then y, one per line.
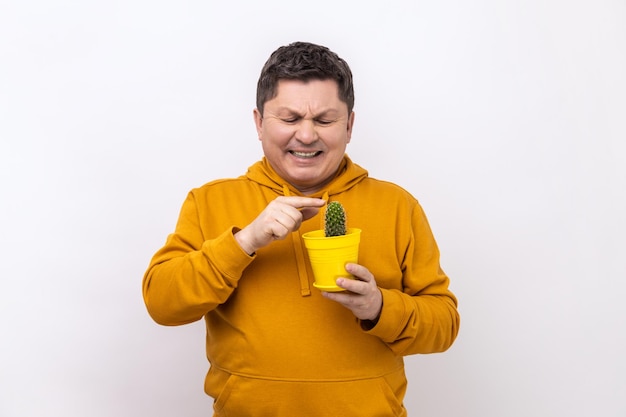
pixel 228 256
pixel 392 315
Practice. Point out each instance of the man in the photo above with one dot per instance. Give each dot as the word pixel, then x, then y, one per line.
pixel 277 346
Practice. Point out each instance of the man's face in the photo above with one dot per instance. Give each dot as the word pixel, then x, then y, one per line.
pixel 304 132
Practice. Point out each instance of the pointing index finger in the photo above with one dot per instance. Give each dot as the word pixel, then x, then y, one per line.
pixel 303 202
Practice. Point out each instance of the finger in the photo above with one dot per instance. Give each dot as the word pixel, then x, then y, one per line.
pixel 352 285
pixel 296 215
pixel 283 226
pixel 302 202
pixel 359 272
pixel 289 217
pixel 309 212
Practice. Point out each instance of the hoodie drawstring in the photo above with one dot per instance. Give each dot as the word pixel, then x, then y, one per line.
pixel 305 286
pixel 325 198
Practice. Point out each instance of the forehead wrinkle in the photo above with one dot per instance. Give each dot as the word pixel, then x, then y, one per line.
pixel 307 111
pixel 294 97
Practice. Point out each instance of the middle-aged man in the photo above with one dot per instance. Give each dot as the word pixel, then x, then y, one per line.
pixel 276 346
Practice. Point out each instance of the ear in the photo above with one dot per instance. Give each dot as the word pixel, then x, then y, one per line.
pixel 258 122
pixel 350 125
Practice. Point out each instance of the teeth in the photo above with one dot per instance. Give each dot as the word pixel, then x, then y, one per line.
pixel 304 154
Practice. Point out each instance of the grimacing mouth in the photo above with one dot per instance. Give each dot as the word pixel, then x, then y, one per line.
pixel 305 155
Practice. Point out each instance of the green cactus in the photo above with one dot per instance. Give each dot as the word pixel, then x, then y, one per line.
pixel 335 219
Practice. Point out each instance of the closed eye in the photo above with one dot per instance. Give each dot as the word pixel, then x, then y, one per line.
pixel 296 119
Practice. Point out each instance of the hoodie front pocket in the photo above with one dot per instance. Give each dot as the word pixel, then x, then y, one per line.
pixel 251 397
pixel 222 398
pixel 218 384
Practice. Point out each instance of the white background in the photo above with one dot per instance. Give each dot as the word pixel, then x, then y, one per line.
pixel 507 120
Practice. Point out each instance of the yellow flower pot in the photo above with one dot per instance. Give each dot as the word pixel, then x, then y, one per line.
pixel 329 256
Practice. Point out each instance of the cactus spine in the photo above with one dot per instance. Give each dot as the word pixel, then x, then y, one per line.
pixel 335 219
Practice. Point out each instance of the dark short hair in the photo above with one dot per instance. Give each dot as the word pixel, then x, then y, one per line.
pixel 304 61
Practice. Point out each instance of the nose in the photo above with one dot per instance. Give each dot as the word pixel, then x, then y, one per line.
pixel 306 132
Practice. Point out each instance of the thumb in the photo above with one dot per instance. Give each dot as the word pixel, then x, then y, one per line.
pixel 308 212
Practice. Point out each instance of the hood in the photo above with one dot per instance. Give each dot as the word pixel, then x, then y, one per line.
pixel 348 175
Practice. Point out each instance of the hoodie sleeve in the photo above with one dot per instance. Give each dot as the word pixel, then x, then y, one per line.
pixel 189 276
pixel 423 317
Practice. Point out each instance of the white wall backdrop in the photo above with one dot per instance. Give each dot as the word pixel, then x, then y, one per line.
pixel 507 119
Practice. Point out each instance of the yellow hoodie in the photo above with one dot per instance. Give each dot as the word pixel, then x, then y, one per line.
pixel 276 347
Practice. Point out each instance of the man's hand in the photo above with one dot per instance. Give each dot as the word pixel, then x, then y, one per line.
pixel 281 217
pixel 362 296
